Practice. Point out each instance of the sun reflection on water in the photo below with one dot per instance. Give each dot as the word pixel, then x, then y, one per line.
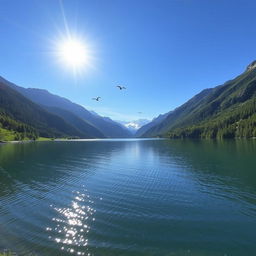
pixel 71 227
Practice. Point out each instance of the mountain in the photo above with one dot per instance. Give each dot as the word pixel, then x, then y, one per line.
pixel 24 118
pixel 134 125
pixel 77 122
pixel 163 123
pixel 106 126
pixel 149 125
pixel 120 130
pixel 226 111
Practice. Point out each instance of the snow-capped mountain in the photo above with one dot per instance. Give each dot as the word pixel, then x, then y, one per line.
pixel 133 126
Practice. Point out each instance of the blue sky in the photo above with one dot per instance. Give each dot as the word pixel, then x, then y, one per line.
pixel 163 51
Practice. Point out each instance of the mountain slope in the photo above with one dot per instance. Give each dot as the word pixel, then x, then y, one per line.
pixel 120 130
pixel 77 122
pixel 112 128
pixel 151 124
pixel 166 122
pixel 107 127
pixel 19 114
pixel 226 111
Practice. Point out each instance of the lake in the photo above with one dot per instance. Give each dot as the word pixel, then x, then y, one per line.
pixel 129 198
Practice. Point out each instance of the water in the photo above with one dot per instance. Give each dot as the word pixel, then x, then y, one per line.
pixel 129 198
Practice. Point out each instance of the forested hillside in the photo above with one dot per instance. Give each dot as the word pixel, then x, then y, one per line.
pixel 101 125
pixel 20 118
pixel 226 111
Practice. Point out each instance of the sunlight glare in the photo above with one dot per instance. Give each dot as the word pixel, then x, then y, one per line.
pixel 73 53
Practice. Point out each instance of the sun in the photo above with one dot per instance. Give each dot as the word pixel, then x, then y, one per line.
pixel 73 53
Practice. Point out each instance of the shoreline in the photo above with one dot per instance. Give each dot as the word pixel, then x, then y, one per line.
pixel 106 139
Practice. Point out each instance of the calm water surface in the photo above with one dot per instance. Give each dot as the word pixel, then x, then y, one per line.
pixel 129 198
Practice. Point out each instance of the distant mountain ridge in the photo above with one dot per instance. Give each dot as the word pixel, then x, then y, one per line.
pixel 226 111
pixel 99 126
pixel 134 125
pixel 27 119
pixel 149 125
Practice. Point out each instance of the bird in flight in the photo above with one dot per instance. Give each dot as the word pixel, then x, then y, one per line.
pixel 120 87
pixel 97 99
pixel 139 112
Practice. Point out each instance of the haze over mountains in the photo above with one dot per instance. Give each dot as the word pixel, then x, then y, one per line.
pixel 226 111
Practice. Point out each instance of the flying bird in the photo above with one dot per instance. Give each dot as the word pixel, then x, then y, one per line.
pixel 139 112
pixel 120 87
pixel 97 99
